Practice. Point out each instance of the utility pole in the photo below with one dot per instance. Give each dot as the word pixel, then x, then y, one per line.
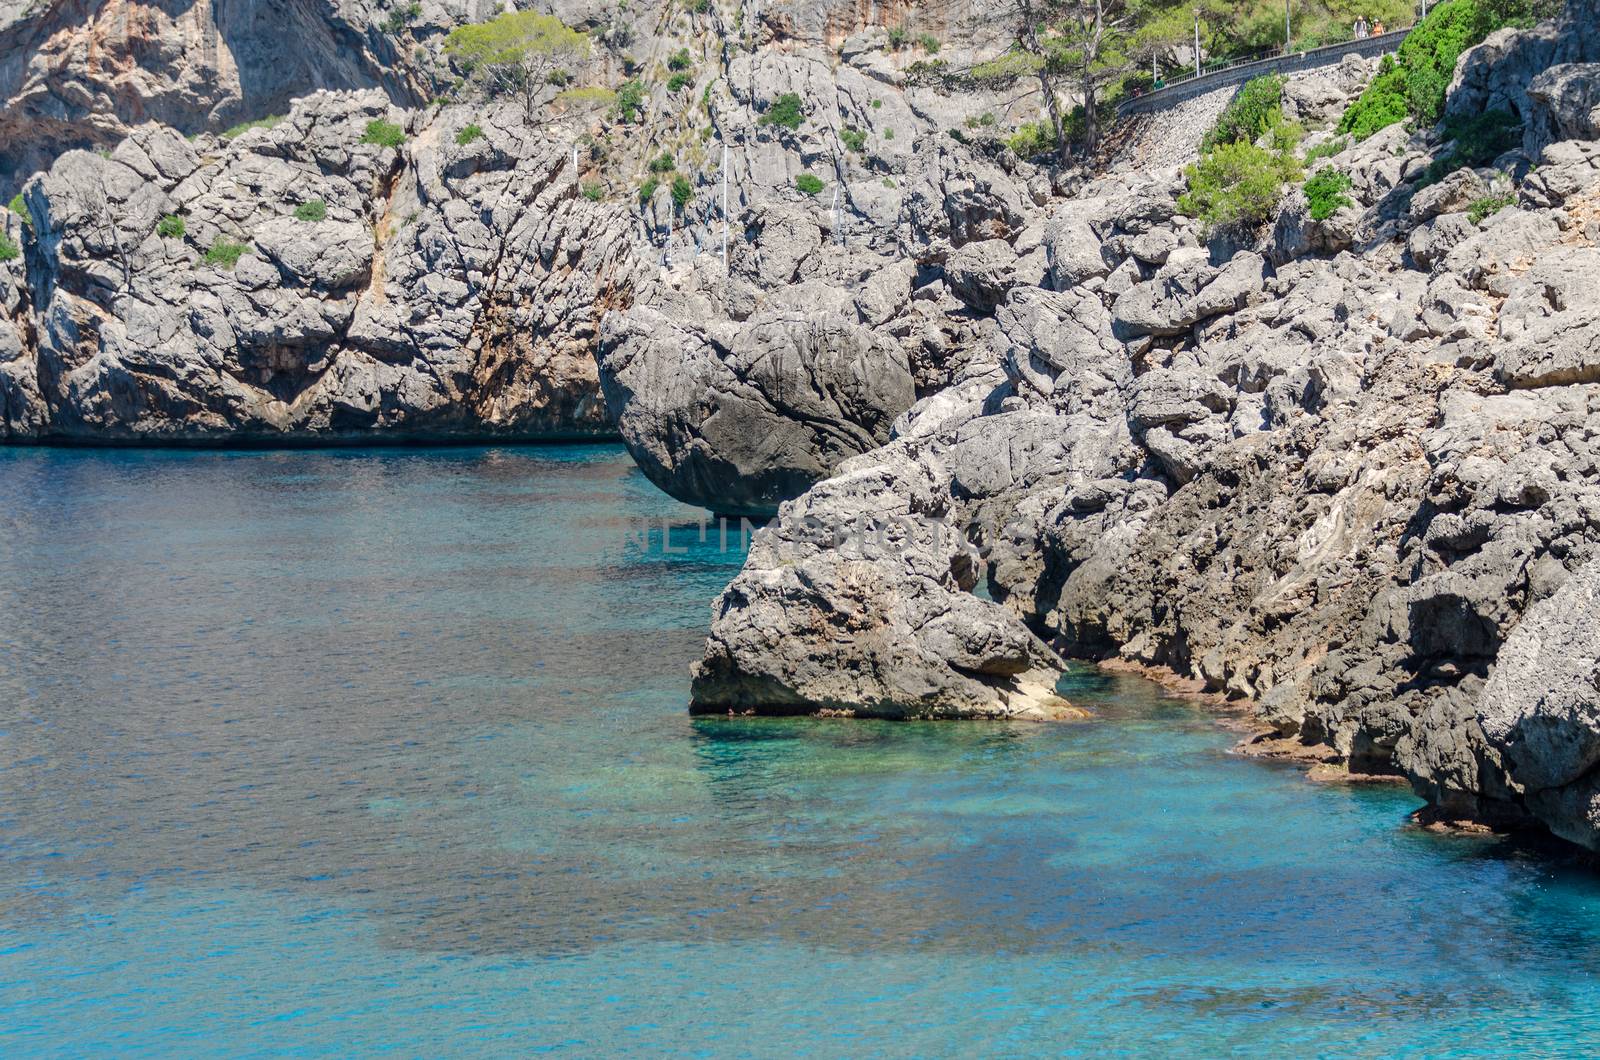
pixel 1197 42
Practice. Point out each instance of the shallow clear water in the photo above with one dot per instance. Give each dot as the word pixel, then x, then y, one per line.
pixel 386 752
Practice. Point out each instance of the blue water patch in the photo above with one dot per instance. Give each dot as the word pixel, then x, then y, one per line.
pixel 386 753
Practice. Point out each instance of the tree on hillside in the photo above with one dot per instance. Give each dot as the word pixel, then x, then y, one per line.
pixel 1075 49
pixel 519 54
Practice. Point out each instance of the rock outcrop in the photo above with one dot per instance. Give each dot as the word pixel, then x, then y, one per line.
pixel 428 289
pixel 738 417
pixel 1346 476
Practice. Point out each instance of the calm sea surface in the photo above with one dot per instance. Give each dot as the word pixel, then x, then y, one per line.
pixel 385 752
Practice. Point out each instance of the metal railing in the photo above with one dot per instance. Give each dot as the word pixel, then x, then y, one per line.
pixel 1239 72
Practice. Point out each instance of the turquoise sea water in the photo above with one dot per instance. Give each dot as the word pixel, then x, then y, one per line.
pixel 385 753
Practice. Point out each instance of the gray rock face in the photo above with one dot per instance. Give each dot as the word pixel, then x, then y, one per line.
pixel 85 76
pixel 739 417
pixel 449 290
pixel 1540 711
pixel 1358 487
pixel 1538 75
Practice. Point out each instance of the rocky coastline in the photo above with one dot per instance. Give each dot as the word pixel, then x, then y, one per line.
pixel 1342 475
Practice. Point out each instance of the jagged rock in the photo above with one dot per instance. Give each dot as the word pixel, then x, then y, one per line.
pixel 1567 100
pixel 1499 74
pixel 1453 194
pixel 1322 95
pixel 741 417
pixel 474 312
pixel 1186 291
pixel 1540 711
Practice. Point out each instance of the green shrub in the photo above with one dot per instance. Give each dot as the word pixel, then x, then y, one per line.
pixel 383 133
pixel 853 139
pixel 898 36
pixel 647 190
pixel 888 134
pixel 928 43
pixel 664 164
pixel 245 126
pixel 1257 108
pixel 682 191
pixel 809 183
pixel 679 82
pixel 170 227
pixel 785 111
pixel 468 134
pixel 1325 192
pixel 1032 139
pixel 1237 185
pixel 593 191
pixel 9 251
pixel 630 102
pixel 315 210
pixel 20 208
pixel 1483 209
pixel 681 60
pixel 225 253
pixel 1413 83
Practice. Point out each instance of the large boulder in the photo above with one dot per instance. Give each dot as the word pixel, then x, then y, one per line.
pixel 739 417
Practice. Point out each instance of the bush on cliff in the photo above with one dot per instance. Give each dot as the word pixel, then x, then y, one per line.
pixel 1247 159
pixel 1238 185
pixel 1325 193
pixel 9 251
pixel 786 111
pixel 1257 108
pixel 225 253
pixel 1413 83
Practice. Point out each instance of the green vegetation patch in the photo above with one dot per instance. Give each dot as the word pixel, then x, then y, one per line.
pixel 785 111
pixel 469 133
pixel 315 210
pixel 20 208
pixel 853 139
pixel 809 183
pixel 1325 192
pixel 9 251
pixel 1238 185
pixel 243 127
pixel 170 227
pixel 1257 108
pixel 1486 208
pixel 682 191
pixel 383 133
pixel 630 101
pixel 593 191
pixel 225 253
